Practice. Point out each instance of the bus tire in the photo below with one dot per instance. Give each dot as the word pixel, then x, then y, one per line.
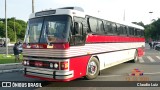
pixel 136 59
pixel 92 69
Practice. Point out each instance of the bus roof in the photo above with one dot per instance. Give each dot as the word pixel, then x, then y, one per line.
pixel 72 11
pixel 77 11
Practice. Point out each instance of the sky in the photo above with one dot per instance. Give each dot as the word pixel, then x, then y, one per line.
pixel 135 10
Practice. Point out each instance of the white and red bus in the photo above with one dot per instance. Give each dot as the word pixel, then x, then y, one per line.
pixel 65 44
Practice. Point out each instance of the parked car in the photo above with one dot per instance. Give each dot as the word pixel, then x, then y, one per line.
pixel 157 47
pixel 3 42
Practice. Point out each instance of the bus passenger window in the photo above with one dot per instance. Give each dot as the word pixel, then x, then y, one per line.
pixel 93 24
pixel 113 28
pixel 107 26
pixel 100 27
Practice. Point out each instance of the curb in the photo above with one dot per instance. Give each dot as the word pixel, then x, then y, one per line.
pixel 10 64
pixel 3 70
pixel 11 70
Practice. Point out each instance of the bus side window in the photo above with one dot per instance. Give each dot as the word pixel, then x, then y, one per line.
pixel 107 27
pixel 100 27
pixel 118 29
pixel 131 31
pixel 78 33
pixel 125 30
pixel 78 28
pixel 114 29
pixel 93 25
pixel 142 33
pixel 122 30
pixel 136 31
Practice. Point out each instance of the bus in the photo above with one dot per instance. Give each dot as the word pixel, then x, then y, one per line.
pixel 64 44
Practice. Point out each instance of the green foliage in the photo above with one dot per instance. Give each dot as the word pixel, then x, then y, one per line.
pixel 2 29
pixel 10 33
pixel 153 30
pixel 19 28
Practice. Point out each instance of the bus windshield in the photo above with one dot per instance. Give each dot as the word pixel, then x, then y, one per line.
pixel 49 29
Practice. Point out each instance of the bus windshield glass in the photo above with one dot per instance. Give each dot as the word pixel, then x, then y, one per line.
pixel 49 29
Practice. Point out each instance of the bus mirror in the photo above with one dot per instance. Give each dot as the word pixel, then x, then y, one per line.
pixel 77 28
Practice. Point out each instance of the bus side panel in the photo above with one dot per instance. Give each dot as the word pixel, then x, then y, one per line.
pixel 79 65
pixel 114 58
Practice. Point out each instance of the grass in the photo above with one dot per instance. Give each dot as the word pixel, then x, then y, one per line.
pixel 10 59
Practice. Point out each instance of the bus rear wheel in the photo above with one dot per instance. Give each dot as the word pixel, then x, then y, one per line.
pixel 92 69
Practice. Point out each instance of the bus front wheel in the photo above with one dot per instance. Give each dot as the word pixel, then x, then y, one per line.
pixel 92 69
pixel 136 59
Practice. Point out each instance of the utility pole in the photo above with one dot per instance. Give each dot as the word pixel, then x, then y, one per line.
pixel 150 21
pixel 32 6
pixel 124 15
pixel 151 16
pixel 6 28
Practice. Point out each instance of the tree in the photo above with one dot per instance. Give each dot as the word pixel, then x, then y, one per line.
pixel 153 30
pixel 23 25
pixel 20 27
pixel 2 29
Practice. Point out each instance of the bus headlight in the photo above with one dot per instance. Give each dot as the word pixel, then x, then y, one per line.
pixel 56 65
pixel 51 65
pixel 25 62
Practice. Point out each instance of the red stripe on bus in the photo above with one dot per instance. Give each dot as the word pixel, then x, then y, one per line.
pixel 98 38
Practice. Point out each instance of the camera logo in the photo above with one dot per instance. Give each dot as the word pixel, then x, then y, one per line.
pixel 6 84
pixel 137 72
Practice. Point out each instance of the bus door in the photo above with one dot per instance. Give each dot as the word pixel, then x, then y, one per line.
pixel 78 32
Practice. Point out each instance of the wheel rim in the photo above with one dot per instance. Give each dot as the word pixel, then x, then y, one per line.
pixel 92 68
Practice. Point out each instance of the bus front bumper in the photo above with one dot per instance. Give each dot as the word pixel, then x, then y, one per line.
pixel 48 73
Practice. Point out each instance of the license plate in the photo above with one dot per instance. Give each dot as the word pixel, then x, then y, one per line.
pixel 38 64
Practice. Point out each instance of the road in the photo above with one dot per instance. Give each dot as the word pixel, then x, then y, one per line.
pixel 149 64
